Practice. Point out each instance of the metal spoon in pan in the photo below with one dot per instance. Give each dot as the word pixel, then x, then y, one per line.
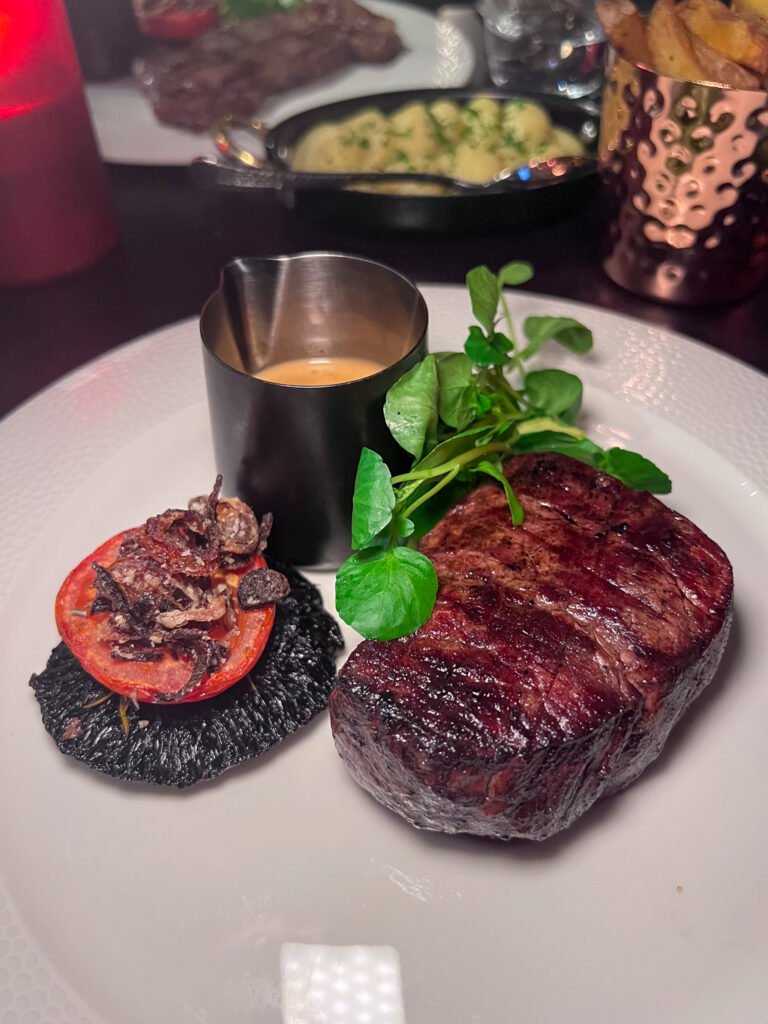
pixel 215 174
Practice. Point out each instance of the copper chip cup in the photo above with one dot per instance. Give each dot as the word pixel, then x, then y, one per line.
pixel 685 171
pixel 293 450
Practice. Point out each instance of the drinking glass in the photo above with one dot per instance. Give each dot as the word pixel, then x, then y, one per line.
pixel 106 37
pixel 555 46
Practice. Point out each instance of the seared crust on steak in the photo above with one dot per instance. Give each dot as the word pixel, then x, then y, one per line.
pixel 557 659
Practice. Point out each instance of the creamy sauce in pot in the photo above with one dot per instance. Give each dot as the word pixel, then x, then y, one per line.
pixel 310 372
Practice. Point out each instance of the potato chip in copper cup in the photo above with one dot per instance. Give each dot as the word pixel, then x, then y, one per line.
pixel 685 172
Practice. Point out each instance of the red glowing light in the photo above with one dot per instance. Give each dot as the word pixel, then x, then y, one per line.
pixel 14 109
pixel 37 58
pixel 55 214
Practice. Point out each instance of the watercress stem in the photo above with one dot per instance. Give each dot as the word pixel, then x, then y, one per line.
pixel 504 394
pixel 511 335
pixel 431 493
pixel 458 462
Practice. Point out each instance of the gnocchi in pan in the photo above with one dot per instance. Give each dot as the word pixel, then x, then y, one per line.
pixel 473 142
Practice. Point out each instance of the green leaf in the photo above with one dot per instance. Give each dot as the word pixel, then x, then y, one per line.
pixel 485 351
pixel 505 431
pixel 484 403
pixel 515 273
pixel 457 397
pixel 410 409
pixel 243 9
pixel 405 527
pixel 386 594
pixel 447 450
pixel 494 471
pixel 632 469
pixel 484 293
pixel 501 342
pixel 636 471
pixel 553 441
pixel 572 334
pixel 374 500
pixel 554 392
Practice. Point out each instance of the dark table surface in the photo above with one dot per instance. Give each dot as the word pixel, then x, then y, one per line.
pixel 174 239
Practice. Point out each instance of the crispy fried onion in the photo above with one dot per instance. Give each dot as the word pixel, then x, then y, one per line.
pixel 238 532
pixel 159 592
pixel 181 540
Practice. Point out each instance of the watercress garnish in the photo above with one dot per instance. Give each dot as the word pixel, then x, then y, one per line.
pixel 243 10
pixel 461 415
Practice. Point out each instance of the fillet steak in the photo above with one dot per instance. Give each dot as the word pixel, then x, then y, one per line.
pixel 558 656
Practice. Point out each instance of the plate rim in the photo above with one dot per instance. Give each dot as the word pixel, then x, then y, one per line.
pixel 14 424
pixel 433 287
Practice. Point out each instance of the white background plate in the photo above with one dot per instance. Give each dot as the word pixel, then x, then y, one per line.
pixel 436 54
pixel 123 903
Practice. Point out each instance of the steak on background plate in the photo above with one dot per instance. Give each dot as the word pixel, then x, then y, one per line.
pixel 557 659
pixel 235 68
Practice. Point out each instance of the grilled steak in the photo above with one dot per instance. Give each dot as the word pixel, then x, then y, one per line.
pixel 233 69
pixel 558 656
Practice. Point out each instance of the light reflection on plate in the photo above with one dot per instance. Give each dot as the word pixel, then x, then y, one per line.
pixel 342 984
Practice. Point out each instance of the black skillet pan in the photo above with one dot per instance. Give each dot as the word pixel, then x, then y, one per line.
pixel 493 211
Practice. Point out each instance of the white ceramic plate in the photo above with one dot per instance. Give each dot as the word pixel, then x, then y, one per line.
pixel 282 892
pixel 436 55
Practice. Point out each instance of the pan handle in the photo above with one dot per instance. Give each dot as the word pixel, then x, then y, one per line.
pixel 222 137
pixel 214 174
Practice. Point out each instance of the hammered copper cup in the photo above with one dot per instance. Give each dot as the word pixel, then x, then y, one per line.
pixel 685 173
pixel 293 450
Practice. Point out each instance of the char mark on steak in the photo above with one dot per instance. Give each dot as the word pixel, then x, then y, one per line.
pixel 556 661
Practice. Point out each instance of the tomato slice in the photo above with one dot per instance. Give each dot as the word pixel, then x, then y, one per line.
pixel 148 680
pixel 179 24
